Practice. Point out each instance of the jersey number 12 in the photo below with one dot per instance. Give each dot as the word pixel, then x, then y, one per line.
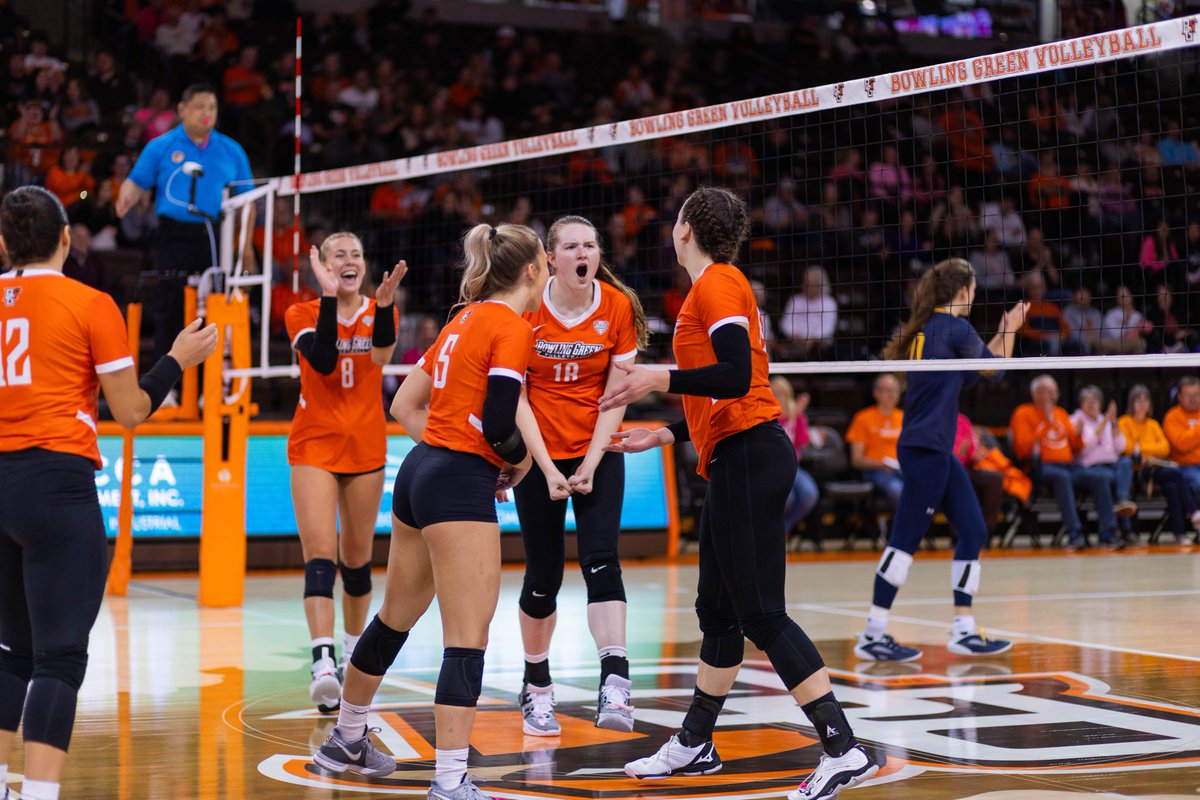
pixel 14 352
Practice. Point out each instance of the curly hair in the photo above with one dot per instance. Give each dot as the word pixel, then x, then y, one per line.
pixel 719 220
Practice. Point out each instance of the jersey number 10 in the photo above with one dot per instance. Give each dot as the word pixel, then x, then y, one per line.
pixel 14 352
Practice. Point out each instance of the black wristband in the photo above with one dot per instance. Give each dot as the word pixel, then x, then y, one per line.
pixel 680 431
pixel 384 332
pixel 161 378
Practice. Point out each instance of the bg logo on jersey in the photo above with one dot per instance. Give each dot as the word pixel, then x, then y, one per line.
pixel 1033 723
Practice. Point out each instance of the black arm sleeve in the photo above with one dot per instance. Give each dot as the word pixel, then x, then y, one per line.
pixel 384 332
pixel 159 380
pixel 680 431
pixel 500 418
pixel 320 348
pixel 724 380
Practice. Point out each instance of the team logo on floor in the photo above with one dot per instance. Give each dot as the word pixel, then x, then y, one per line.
pixel 1034 723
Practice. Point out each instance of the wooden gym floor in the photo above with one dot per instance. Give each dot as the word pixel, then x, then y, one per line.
pixel 1099 697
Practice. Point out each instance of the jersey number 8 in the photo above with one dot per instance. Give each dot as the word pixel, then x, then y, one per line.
pixel 14 352
pixel 442 367
pixel 347 373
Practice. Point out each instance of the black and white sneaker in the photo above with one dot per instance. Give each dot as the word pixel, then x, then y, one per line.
pixel 675 759
pixel 833 775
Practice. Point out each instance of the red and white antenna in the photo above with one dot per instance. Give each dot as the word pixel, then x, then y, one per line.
pixel 296 171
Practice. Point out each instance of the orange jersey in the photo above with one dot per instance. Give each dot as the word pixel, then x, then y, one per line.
pixel 569 366
pixel 484 339
pixel 878 434
pixel 339 424
pixel 721 295
pixel 1183 432
pixel 56 336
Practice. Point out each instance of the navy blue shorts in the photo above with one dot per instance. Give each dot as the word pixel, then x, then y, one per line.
pixel 439 485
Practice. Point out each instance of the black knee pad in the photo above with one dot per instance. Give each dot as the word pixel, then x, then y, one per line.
pixel 716 623
pixel 461 679
pixel 68 665
pixel 18 664
pixel 603 579
pixel 319 575
pixel 539 598
pixel 356 581
pixel 793 655
pixel 377 648
pixel 15 671
pixel 721 651
pixel 764 628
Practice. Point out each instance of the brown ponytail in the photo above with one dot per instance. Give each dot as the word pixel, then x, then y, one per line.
pixel 937 287
pixel 494 259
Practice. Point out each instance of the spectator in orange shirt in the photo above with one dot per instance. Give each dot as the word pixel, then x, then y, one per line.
pixel 1147 445
pixel 872 437
pixel 244 84
pixel 31 140
pixel 1045 441
pixel 637 212
pixel 965 135
pixel 70 179
pixel 1182 426
pixel 1045 326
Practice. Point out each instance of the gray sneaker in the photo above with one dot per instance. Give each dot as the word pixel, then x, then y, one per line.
pixel 338 755
pixel 613 710
pixel 537 708
pixel 464 791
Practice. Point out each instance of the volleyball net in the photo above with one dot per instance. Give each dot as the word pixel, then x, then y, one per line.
pixel 1053 168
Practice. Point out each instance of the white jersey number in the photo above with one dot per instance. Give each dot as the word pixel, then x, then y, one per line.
pixel 442 367
pixel 347 373
pixel 14 352
pixel 566 373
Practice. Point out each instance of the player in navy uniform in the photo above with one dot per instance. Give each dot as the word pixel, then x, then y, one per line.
pixel 937 329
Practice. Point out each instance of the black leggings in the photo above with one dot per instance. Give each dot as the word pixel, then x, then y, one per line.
pixel 53 567
pixel 743 557
pixel 597 525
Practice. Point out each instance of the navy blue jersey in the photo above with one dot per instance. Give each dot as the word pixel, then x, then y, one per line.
pixel 931 404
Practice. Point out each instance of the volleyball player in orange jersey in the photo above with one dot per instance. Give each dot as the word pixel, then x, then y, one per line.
pixel 732 418
pixel 337 445
pixel 588 322
pixel 460 406
pixel 60 342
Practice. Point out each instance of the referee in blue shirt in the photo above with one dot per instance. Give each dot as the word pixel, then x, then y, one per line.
pixel 188 167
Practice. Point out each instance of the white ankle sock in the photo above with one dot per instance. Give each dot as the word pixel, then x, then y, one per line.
pixel 450 767
pixel 964 625
pixel 877 621
pixel 613 650
pixel 352 720
pixel 3 775
pixel 349 642
pixel 537 658
pixel 39 790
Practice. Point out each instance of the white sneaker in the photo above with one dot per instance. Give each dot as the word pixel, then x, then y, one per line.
pixel 325 689
pixel 613 710
pixel 675 759
pixel 833 775
pixel 537 711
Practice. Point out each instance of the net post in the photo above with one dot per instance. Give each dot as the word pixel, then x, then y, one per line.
pixel 122 561
pixel 226 427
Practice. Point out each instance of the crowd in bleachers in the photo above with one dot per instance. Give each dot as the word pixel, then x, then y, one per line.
pixel 1045 458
